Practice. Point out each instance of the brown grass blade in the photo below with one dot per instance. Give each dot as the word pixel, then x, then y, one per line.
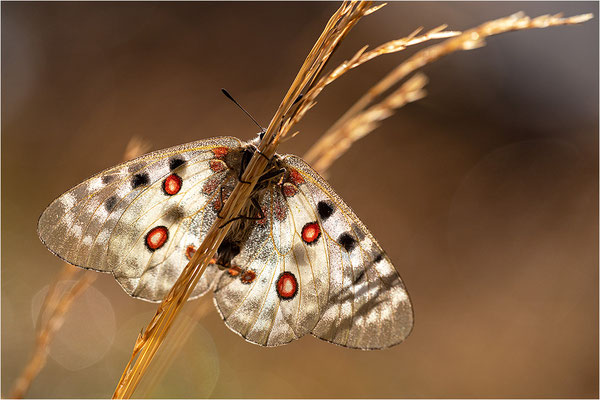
pixel 337 28
pixel 57 303
pixel 53 296
pixel 54 314
pixel 334 145
pixel 174 344
pixel 339 137
pixel 152 337
pixel 362 56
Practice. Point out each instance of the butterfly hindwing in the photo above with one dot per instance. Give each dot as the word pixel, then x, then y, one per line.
pixel 313 267
pixel 143 219
pixel 367 305
pixel 272 296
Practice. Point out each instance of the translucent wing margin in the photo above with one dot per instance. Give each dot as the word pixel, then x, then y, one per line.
pixel 143 219
pixel 367 305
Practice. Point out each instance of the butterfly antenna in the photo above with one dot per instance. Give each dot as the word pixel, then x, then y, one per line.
pixel 226 93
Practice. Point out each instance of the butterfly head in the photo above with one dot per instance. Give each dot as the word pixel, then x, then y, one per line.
pixel 259 136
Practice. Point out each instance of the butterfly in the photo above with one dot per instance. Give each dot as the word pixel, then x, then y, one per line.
pixel 297 260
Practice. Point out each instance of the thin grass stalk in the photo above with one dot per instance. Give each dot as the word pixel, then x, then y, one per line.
pixel 303 80
pixel 334 146
pixel 152 337
pixel 54 295
pixel 58 302
pixel 45 334
pixel 336 29
pixel 363 56
pixel 176 341
pixel 337 138
pixel 283 120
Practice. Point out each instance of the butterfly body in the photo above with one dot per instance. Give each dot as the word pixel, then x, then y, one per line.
pixel 296 260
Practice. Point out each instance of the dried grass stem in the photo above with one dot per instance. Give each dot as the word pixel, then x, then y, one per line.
pixel 152 337
pixel 344 132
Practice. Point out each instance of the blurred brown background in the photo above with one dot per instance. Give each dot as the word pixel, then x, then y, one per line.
pixel 485 193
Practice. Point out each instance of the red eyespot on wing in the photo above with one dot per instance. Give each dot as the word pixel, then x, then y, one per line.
pixel 234 271
pixel 287 286
pixel 172 184
pixel 220 199
pixel 248 277
pixel 220 152
pixel 311 232
pixel 217 165
pixel 157 237
pixel 295 177
pixel 265 218
pixel 189 252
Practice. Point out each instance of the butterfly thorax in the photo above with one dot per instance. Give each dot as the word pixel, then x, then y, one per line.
pixel 252 213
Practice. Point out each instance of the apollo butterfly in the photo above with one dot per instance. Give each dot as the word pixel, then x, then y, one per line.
pixel 302 263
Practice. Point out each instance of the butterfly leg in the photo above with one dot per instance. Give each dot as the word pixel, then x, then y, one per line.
pixel 260 216
pixel 246 157
pixel 263 154
pixel 222 203
pixel 230 221
pixel 271 174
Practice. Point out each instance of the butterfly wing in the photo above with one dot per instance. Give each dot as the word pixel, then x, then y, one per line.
pixel 143 219
pixel 367 306
pixel 312 266
pixel 248 297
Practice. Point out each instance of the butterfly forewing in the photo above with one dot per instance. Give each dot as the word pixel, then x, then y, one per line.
pixel 143 219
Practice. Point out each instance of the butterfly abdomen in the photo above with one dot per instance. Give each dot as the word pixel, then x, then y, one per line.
pixel 226 252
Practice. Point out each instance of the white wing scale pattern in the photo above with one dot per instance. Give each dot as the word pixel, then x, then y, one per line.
pixel 348 292
pixel 308 266
pixel 103 223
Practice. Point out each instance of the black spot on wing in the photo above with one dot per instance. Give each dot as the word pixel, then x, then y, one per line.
pixel 378 258
pixel 347 241
pixel 175 214
pixel 325 209
pixel 107 179
pixel 176 162
pixel 110 203
pixel 140 179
